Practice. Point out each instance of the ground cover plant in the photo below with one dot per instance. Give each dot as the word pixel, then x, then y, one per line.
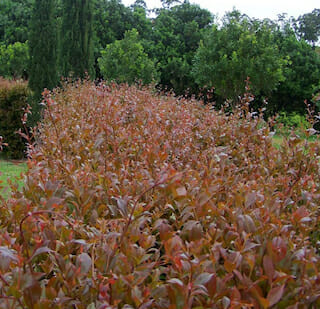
pixel 139 200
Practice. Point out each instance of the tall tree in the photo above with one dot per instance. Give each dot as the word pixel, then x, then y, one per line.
pixel 308 26
pixel 76 50
pixel 14 20
pixel 302 71
pixel 176 34
pixel 240 48
pixel 42 47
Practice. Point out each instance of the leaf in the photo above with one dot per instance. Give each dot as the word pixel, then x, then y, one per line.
pixel 53 202
pixel 211 286
pixel 300 214
pixel 84 262
pixel 229 266
pixel 192 230
pixel 250 199
pixel 32 294
pixel 79 241
pixel 6 257
pixel 39 251
pixel 179 192
pixel 176 281
pixel 226 302
pixel 268 267
pixel 123 206
pixel 275 295
pixel 6 252
pixel 203 278
pixel 279 248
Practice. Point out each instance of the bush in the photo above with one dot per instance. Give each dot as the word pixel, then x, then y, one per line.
pixel 134 200
pixel 13 99
pixel 292 121
pixel 14 59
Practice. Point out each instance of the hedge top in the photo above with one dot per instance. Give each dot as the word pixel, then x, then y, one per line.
pixel 136 200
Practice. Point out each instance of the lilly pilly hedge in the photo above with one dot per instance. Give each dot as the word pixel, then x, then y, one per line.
pixel 138 200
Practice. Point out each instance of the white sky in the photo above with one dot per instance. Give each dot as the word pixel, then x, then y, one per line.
pixel 253 8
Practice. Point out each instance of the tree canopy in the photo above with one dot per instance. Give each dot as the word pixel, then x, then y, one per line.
pixel 125 61
pixel 183 46
pixel 241 48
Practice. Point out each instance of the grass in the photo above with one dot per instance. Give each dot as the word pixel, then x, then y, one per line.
pixel 277 141
pixel 10 170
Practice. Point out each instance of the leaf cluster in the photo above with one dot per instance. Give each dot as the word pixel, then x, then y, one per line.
pixel 139 200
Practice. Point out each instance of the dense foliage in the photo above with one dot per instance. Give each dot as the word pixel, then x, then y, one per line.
pixel 14 20
pixel 76 51
pixel 301 74
pixel 13 60
pixel 136 200
pixel 176 35
pixel 43 47
pixel 191 49
pixel 308 26
pixel 116 62
pixel 13 99
pixel 240 48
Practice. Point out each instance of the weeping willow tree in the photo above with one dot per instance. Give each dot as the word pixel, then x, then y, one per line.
pixel 76 48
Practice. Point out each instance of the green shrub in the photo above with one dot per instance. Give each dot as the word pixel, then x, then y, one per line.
pixel 134 200
pixel 14 59
pixel 292 121
pixel 13 98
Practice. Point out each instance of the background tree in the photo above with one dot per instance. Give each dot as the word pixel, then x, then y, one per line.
pixel 301 73
pixel 111 20
pixel 76 50
pixel 125 61
pixel 43 45
pixel 241 48
pixel 176 35
pixel 14 60
pixel 308 26
pixel 15 16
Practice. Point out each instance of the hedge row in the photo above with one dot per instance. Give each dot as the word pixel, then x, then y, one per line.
pixel 13 99
pixel 134 200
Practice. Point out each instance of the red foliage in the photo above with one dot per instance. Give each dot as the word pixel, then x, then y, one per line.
pixel 156 202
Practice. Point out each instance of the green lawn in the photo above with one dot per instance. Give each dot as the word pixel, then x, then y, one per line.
pixel 10 170
pixel 278 140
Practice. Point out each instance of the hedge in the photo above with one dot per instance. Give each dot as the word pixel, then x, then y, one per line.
pixel 134 200
pixel 13 99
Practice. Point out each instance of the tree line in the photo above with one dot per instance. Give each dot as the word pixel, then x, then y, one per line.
pixel 180 47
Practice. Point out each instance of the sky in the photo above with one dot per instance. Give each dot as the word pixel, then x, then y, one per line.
pixel 253 8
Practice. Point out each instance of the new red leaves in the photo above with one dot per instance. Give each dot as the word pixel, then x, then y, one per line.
pixel 148 201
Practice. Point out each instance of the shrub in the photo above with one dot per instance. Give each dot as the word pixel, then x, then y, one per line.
pixel 13 99
pixel 134 200
pixel 14 60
